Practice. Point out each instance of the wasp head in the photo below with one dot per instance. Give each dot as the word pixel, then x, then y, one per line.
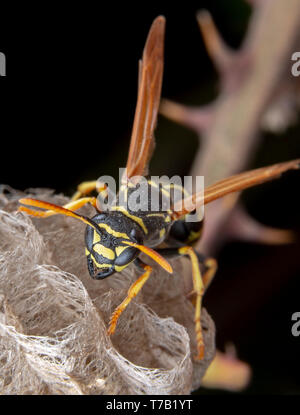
pixel 108 244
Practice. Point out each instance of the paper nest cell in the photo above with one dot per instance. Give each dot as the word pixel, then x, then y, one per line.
pixel 54 317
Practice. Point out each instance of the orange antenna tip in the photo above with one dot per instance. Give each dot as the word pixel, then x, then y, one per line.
pixel 152 254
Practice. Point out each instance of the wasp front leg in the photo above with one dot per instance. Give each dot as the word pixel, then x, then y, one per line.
pixel 86 188
pixel 132 292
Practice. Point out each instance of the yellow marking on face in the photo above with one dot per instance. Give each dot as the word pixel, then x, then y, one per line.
pixel 87 252
pixel 120 249
pixel 104 251
pixel 162 233
pixel 133 217
pixel 120 268
pixel 100 265
pixel 113 232
pixel 97 237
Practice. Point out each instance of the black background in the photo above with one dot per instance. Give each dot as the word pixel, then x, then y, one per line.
pixel 67 106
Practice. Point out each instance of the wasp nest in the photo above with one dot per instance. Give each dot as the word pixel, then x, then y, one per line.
pixel 53 316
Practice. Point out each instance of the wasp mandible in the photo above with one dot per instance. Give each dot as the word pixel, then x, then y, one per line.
pixel 115 238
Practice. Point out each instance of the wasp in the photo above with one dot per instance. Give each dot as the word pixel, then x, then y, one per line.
pixel 116 238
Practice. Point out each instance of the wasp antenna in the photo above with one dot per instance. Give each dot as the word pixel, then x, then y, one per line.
pixel 50 206
pixel 152 254
pixel 232 184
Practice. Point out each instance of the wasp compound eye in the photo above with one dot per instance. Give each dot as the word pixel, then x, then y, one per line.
pixel 126 255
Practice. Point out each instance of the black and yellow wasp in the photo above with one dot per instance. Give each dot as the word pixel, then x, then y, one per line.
pixel 115 238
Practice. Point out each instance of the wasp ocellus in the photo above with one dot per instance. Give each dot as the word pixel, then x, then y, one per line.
pixel 114 239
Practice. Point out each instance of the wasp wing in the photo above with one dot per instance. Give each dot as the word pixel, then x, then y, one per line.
pixel 232 184
pixel 149 91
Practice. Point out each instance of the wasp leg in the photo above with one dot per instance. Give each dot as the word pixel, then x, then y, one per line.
pixel 200 283
pixel 211 266
pixel 132 292
pixel 199 291
pixel 210 269
pixel 70 206
pixel 85 188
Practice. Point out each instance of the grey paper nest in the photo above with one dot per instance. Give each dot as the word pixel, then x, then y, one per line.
pixel 53 316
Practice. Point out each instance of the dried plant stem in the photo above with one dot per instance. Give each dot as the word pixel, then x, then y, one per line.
pixel 250 77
